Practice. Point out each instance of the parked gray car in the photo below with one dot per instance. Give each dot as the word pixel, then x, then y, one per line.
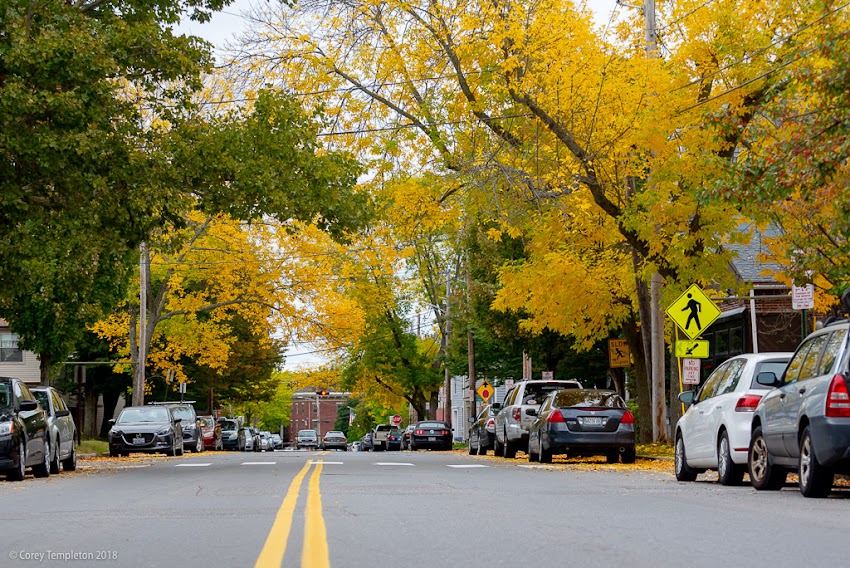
pixel 804 424
pixel 61 429
pixel 514 420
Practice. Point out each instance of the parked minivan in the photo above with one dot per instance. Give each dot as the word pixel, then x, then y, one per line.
pixel 804 423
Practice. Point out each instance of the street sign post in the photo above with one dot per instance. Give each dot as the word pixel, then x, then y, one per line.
pixel 485 391
pixel 696 349
pixel 693 312
pixel 618 353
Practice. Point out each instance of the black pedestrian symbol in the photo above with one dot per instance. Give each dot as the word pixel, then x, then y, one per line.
pixel 691 349
pixel 695 308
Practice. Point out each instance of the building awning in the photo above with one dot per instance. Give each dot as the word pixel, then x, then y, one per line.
pixel 732 312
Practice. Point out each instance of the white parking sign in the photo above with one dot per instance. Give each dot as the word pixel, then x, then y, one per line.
pixel 690 371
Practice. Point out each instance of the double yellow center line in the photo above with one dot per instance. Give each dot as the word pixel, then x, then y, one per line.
pixel 314 552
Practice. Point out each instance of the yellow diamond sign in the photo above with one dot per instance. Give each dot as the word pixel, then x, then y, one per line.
pixel 693 311
pixel 485 391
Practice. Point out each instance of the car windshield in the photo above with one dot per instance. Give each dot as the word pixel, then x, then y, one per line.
pixel 184 413
pixel 228 425
pixel 5 397
pixel 585 398
pixel 433 425
pixel 153 414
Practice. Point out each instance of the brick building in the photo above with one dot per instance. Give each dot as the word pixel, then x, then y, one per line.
pixel 312 410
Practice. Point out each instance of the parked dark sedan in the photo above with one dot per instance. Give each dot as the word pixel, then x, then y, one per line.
pixel 147 429
pixel 432 434
pixel 394 439
pixel 193 436
pixel 229 433
pixel 482 430
pixel 23 432
pixel 581 422
pixel 61 427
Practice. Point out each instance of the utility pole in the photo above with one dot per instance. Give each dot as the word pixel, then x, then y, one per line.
pixel 659 398
pixel 470 351
pixel 139 378
pixel 447 401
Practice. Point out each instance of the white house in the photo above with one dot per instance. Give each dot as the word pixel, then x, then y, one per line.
pixel 15 362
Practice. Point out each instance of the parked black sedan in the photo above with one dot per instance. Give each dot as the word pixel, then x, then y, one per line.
pixel 482 430
pixel 580 422
pixel 149 429
pixel 23 432
pixel 432 434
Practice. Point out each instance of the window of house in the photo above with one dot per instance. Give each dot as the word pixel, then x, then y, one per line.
pixel 722 341
pixel 736 340
pixel 9 351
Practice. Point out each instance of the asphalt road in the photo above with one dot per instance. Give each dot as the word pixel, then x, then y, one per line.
pixel 405 509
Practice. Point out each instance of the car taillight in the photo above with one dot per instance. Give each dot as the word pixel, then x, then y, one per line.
pixel 555 416
pixel 837 398
pixel 747 403
pixel 516 413
pixel 628 418
pixel 420 432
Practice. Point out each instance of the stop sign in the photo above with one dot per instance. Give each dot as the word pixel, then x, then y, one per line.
pixel 396 420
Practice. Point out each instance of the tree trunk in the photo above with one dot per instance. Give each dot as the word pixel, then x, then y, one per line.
pixel 432 407
pixel 110 401
pixel 659 384
pixel 90 415
pixel 45 361
pixel 640 382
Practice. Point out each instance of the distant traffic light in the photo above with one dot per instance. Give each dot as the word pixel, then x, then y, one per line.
pixel 323 393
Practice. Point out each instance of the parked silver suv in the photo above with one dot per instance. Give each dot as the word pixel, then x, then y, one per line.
pixel 804 424
pixel 514 420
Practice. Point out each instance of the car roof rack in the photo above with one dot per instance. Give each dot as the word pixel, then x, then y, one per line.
pixel 172 402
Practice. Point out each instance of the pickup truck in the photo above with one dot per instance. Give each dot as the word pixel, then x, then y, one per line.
pixel 513 422
pixel 379 437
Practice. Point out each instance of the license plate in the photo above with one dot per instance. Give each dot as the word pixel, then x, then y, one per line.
pixel 138 441
pixel 592 420
pixel 432 438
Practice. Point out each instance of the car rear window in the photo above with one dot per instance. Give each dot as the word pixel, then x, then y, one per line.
pixel 534 394
pixel 583 398
pixel 229 425
pixel 183 412
pixel 433 425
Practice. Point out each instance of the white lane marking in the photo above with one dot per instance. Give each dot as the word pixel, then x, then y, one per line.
pixel 258 463
pixel 531 466
pixel 393 463
pixel 467 466
pixel 326 463
pixel 192 464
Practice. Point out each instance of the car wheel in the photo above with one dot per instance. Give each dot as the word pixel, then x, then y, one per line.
pixel 43 469
pixel 497 446
pixel 509 449
pixel 70 463
pixel 815 479
pixel 199 446
pixel 683 471
pixel 629 455
pixel 544 454
pixel 728 472
pixel 19 472
pixel 612 457
pixel 171 452
pixel 54 461
pixel 482 449
pixel 472 450
pixel 763 475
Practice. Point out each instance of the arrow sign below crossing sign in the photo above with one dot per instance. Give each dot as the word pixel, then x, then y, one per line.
pixel 693 311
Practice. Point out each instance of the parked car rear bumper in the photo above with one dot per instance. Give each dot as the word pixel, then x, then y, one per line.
pixel 831 439
pixel 589 442
pixel 423 443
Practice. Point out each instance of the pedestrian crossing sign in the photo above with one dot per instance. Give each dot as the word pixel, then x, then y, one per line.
pixel 693 312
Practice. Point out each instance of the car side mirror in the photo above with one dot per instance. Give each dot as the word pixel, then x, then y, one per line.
pixel 530 412
pixel 496 406
pixel 112 422
pixel 767 378
pixel 687 397
pixel 28 405
pixel 178 420
pixel 61 413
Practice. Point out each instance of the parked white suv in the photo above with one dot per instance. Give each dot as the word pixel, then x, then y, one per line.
pixel 514 420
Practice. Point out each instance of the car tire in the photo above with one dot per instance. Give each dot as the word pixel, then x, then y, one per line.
pixel 683 471
pixel 70 463
pixel 54 461
pixel 171 452
pixel 482 449
pixel 815 478
pixel 19 472
pixel 629 455
pixel 728 472
pixel 474 451
pixel 544 454
pixel 531 456
pixel 43 469
pixel 612 457
pixel 497 446
pixel 763 474
pixel 508 449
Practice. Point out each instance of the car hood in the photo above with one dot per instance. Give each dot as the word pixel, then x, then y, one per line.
pixel 142 427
